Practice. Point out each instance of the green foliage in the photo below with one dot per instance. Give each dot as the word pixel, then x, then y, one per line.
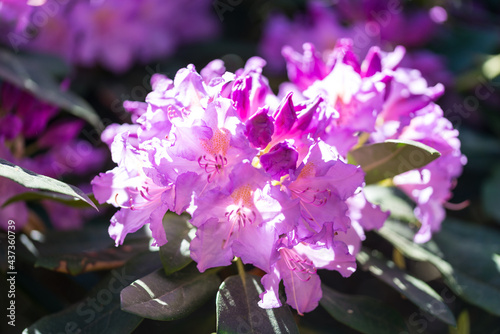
pixel 42 195
pixel 100 312
pixel 238 310
pixel 365 314
pixel 491 194
pixel 160 297
pixel 34 78
pixel 175 253
pixel 33 180
pixel 474 289
pixel 393 200
pixel 419 292
pixel 82 262
pixel 385 160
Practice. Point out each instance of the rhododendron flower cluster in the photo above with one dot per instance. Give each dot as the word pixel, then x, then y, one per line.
pixel 265 178
pixel 384 101
pixel 367 23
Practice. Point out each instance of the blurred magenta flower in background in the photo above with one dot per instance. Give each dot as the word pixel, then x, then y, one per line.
pixel 31 138
pixel 112 33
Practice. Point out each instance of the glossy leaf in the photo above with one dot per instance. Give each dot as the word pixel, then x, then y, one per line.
pixel 491 194
pixel 419 292
pixel 33 180
pixel 175 253
pixel 472 289
pixel 385 160
pixel 238 310
pixel 161 297
pixel 100 312
pixel 365 314
pixel 393 200
pixel 41 195
pixel 33 78
pixel 104 259
pixel 472 249
pixel 88 239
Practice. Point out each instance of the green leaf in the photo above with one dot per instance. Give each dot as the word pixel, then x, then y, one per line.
pixel 419 292
pixel 175 253
pixel 385 160
pixel 33 180
pixel 491 194
pixel 89 239
pixel 42 195
pixel 103 259
pixel 391 199
pixel 472 249
pixel 471 289
pixel 161 297
pixel 238 310
pixel 100 312
pixel 35 79
pixel 365 314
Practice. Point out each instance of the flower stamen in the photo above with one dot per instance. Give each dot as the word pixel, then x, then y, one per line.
pixel 213 165
pixel 301 266
pixel 239 218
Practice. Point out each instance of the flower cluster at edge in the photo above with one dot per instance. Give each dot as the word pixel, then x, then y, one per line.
pixel 265 177
pixel 115 34
pixel 35 136
pixel 368 23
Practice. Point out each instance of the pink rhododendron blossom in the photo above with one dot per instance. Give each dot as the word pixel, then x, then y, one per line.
pixel 367 23
pixel 249 169
pixel 297 266
pixel 15 14
pixel 267 178
pixel 430 186
pixel 376 100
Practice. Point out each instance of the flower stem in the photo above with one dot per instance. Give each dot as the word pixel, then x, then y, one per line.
pixel 241 270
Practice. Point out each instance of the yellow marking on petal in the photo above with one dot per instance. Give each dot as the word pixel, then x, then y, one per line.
pixel 267 149
pixel 219 143
pixel 280 182
pixel 307 171
pixel 243 195
pixel 256 162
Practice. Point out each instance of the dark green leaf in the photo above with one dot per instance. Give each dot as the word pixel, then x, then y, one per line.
pixel 90 238
pixel 238 310
pixel 160 297
pixel 393 200
pixel 385 160
pixel 472 249
pixel 33 180
pixel 491 195
pixel 41 84
pixel 481 149
pixel 365 314
pixel 100 312
pixel 41 195
pixel 419 292
pixel 471 289
pixel 103 259
pixel 175 253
